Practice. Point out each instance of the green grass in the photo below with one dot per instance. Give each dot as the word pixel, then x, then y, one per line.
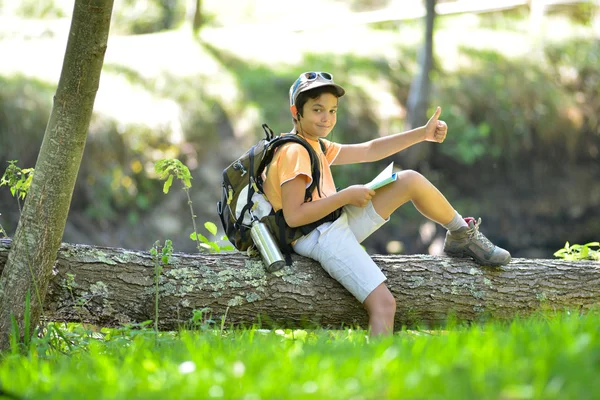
pixel 542 357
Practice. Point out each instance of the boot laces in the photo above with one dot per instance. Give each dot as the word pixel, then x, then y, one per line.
pixel 474 234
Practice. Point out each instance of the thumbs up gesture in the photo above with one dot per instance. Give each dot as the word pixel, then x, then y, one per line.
pixel 435 130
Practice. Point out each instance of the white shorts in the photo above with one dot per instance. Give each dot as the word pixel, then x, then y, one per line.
pixel 336 245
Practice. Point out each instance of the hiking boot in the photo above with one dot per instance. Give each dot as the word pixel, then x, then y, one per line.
pixel 469 242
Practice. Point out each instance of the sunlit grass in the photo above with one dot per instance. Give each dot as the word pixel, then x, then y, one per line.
pixel 543 357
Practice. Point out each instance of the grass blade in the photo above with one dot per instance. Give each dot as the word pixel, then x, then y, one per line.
pixel 27 321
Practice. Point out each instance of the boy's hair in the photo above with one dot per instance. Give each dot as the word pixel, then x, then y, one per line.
pixel 313 94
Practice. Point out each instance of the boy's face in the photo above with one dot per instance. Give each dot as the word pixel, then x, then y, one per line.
pixel 319 116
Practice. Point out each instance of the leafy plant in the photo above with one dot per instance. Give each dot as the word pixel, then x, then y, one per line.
pixel 160 257
pixel 169 169
pixel 17 179
pixel 210 245
pixel 200 320
pixel 43 338
pixel 576 252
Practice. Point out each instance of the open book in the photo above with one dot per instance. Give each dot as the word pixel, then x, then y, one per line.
pixel 386 176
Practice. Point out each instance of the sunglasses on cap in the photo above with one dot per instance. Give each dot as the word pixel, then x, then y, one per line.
pixel 311 76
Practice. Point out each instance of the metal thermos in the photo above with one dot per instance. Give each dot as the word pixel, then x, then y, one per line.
pixel 267 246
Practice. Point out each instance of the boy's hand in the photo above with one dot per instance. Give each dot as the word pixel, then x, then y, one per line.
pixel 435 130
pixel 358 195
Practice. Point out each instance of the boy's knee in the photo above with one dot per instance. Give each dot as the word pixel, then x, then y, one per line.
pixel 410 176
pixel 390 304
pixel 411 179
pixel 384 305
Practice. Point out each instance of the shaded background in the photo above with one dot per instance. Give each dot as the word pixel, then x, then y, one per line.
pixel 519 87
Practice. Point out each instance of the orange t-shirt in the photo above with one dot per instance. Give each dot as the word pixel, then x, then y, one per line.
pixel 291 160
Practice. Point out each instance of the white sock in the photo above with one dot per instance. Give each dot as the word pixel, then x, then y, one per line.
pixel 456 223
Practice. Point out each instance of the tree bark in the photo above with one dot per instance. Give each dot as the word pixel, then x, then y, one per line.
pixel 110 286
pixel 41 226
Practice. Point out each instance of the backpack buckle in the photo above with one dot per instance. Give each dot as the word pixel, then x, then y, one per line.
pixel 239 167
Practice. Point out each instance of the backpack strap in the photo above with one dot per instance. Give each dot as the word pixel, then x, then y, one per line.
pixel 251 175
pixel 323 147
pixel 284 244
pixel 251 191
pixel 314 162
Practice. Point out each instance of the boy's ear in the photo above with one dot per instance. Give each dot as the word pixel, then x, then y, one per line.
pixel 294 111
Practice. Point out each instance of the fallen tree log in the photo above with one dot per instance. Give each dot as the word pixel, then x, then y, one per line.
pixel 113 286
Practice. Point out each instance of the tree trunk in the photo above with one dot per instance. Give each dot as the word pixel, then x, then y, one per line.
pixel 536 17
pixel 418 95
pixel 41 226
pixel 109 286
pixel 198 17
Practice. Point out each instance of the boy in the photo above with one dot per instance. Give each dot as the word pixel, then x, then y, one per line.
pixel 336 245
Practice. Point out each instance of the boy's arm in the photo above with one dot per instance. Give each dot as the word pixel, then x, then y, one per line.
pixel 377 149
pixel 298 213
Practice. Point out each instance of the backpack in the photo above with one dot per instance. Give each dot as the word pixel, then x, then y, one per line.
pixel 243 199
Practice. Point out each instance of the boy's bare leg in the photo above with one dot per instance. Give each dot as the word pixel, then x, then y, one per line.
pixel 381 307
pixel 413 186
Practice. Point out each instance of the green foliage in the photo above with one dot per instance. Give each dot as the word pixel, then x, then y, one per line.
pixel 254 93
pixel 170 168
pixel 200 320
pixel 472 143
pixel 574 66
pixel 39 9
pixel 549 356
pixel 513 109
pixel 582 13
pixel 18 180
pixel 115 182
pixel 147 16
pixel 576 252
pixel 206 244
pixel 25 105
pixel 173 168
